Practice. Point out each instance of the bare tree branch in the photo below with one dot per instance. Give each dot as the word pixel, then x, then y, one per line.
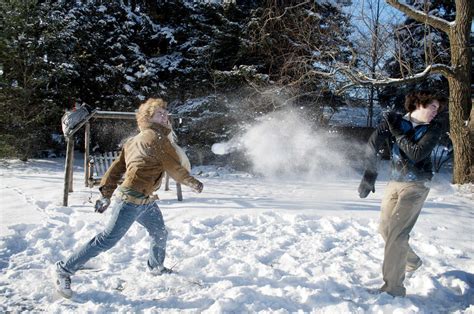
pixel 421 16
pixel 359 79
pixel 285 11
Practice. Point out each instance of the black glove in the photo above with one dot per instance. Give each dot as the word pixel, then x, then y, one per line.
pixel 367 184
pixel 441 119
pixel 198 187
pixel 393 121
pixel 102 204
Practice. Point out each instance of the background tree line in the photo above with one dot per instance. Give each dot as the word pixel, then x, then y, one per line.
pixel 219 65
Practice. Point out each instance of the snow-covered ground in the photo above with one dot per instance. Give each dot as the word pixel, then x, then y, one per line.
pixel 246 244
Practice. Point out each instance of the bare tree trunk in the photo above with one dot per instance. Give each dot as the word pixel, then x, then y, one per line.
pixel 471 131
pixel 374 59
pixel 460 105
pixel 370 114
pixel 459 131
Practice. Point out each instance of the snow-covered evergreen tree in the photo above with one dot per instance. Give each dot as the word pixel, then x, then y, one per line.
pixel 199 56
pixel 29 111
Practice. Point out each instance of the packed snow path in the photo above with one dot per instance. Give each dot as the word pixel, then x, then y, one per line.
pixel 245 244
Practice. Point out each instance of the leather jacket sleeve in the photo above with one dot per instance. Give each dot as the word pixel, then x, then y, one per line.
pixel 417 151
pixel 375 144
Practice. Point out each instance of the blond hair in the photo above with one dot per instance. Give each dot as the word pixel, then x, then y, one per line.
pixel 147 110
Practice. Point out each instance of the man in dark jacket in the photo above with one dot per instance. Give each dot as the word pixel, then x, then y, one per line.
pixel 412 137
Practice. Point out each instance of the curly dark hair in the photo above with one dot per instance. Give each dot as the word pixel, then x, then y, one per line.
pixel 424 98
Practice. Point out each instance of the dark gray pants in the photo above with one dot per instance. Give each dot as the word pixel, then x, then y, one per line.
pixel 401 206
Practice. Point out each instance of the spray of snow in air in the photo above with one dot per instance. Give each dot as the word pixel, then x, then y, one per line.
pixel 286 144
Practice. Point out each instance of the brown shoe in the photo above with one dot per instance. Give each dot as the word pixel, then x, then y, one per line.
pixel 411 268
pixel 394 292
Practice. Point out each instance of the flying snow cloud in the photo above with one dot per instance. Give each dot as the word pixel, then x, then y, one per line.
pixel 286 144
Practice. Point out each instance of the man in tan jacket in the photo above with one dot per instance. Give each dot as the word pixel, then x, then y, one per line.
pixel 144 159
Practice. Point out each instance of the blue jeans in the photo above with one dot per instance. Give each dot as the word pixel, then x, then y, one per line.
pixel 123 216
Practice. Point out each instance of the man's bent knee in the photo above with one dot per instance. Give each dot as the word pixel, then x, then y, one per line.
pixel 160 234
pixel 106 241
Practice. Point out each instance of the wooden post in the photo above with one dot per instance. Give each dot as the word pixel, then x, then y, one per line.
pixel 179 192
pixel 71 169
pixel 90 179
pixel 87 133
pixel 167 181
pixel 68 168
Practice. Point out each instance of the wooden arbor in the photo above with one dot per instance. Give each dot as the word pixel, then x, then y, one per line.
pixel 88 180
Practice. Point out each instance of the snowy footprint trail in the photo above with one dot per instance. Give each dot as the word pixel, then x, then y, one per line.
pixel 242 246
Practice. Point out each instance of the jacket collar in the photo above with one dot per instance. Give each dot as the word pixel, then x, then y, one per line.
pixel 413 121
pixel 157 128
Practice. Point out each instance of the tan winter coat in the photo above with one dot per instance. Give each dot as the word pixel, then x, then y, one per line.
pixel 144 159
